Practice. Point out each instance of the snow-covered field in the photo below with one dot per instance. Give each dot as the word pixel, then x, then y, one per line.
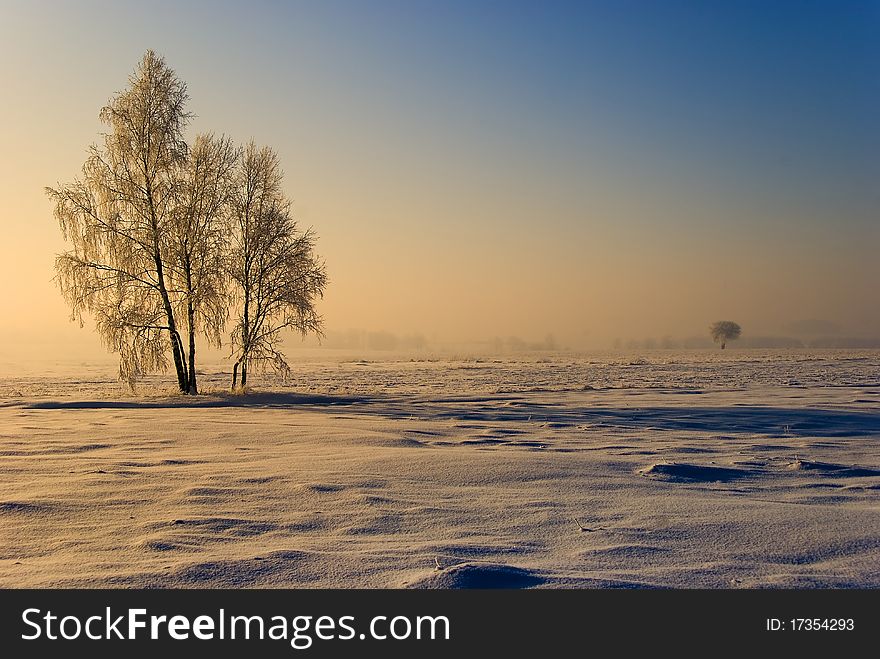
pixel 741 468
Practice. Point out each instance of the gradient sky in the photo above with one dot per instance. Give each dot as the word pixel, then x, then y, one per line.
pixel 589 169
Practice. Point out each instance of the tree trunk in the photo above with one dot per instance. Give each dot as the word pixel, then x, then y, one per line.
pixel 235 375
pixel 180 361
pixel 245 335
pixel 723 344
pixel 176 343
pixel 192 384
pixel 176 349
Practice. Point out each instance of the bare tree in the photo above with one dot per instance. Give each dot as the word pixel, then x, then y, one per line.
pixel 723 331
pixel 196 241
pixel 164 236
pixel 116 218
pixel 276 275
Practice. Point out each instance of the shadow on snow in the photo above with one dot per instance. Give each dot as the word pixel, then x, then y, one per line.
pixel 776 421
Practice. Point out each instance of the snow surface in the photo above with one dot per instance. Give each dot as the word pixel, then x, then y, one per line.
pixel 740 469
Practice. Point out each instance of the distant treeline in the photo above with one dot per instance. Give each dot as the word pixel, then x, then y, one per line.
pixel 696 342
pixel 366 340
pixel 359 339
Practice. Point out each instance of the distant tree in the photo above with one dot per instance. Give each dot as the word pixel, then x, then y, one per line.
pixel 723 331
pixel 117 217
pixel 277 277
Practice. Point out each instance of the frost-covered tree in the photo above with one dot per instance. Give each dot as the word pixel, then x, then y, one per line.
pixel 196 240
pixel 723 331
pixel 166 238
pixel 276 276
pixel 116 217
